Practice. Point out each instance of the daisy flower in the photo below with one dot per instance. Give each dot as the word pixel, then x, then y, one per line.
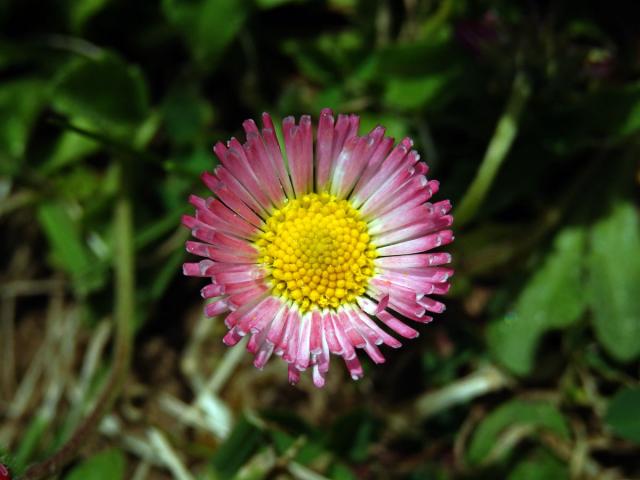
pixel 321 249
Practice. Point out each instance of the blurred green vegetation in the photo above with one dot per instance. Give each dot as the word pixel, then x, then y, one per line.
pixel 532 373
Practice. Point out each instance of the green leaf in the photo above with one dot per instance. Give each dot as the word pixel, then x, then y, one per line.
pixel 282 441
pixel 107 465
pixel 71 147
pixel 417 93
pixel 7 460
pixel 80 184
pixel 514 414
pixel 267 4
pixel 241 444
pixel 614 274
pixel 418 59
pixel 159 228
pixel 553 298
pixel 542 466
pixel 395 125
pixel 340 471
pixel 331 58
pixel 615 110
pixel 165 274
pixel 258 467
pixel 623 414
pixel 352 435
pixel 186 115
pixel 608 114
pixel 104 90
pixel 31 437
pixel 312 62
pixel 82 10
pixel 208 26
pixel 20 103
pixel 69 251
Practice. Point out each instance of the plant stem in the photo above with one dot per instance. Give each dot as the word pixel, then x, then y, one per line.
pixel 485 380
pixel 124 314
pixel 499 146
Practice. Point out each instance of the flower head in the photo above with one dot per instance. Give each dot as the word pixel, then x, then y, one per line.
pixel 4 473
pixel 318 251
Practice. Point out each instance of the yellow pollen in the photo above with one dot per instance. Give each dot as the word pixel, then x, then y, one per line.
pixel 318 252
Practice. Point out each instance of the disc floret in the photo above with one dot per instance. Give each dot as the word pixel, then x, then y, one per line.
pixel 318 251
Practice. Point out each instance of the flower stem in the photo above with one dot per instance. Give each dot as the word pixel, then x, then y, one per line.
pixel 124 314
pixel 499 146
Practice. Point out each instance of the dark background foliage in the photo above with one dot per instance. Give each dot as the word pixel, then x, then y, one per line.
pixel 527 112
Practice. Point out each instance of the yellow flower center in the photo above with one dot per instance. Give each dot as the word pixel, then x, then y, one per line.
pixel 318 251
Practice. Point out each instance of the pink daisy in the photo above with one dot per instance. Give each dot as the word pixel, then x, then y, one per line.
pixel 311 252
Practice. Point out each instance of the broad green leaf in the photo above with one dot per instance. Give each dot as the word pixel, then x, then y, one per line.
pixel 267 4
pixel 534 414
pixel 70 147
pixel 82 10
pixel 186 115
pixel 340 471
pixel 106 465
pixel 614 274
pixel 281 440
pixel 436 470
pixel 312 62
pixel 68 249
pixel 396 126
pixel 104 90
pixel 310 451
pixel 417 93
pixel 242 443
pixel 553 298
pixel 418 59
pixel 80 183
pixel 20 103
pixel 623 414
pixel 348 5
pixel 331 58
pixel 208 26
pixel 542 466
